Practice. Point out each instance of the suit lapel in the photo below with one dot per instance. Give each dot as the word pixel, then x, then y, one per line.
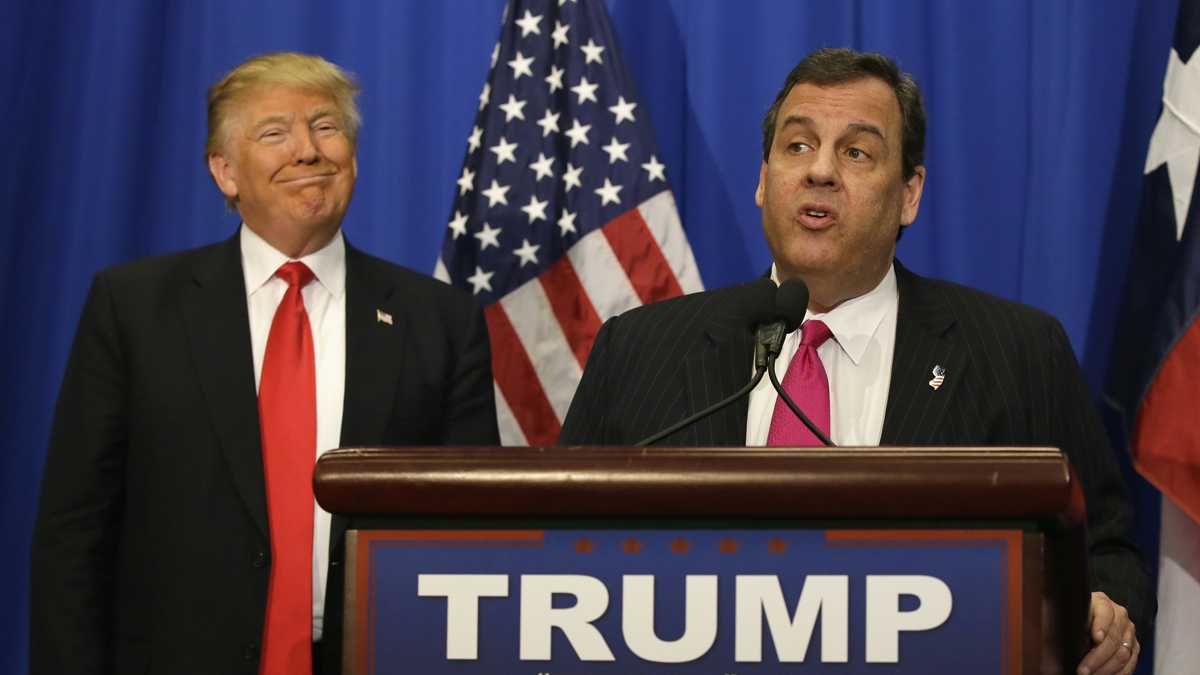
pixel 925 339
pixel 717 365
pixel 218 331
pixel 374 353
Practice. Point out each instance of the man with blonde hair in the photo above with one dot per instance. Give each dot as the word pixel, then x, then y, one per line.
pixel 177 531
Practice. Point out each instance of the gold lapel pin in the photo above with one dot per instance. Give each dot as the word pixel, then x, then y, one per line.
pixel 939 376
pixel 383 317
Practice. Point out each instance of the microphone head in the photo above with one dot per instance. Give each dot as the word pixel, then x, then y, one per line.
pixel 758 302
pixel 791 301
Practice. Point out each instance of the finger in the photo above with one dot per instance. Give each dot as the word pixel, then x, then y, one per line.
pixel 1133 660
pixel 1102 611
pixel 1123 654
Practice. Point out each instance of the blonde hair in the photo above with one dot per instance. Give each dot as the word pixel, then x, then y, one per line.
pixel 290 69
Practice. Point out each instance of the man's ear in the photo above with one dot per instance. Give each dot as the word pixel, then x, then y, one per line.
pixel 914 187
pixel 761 191
pixel 223 174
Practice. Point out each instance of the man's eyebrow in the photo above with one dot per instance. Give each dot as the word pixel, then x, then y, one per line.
pixel 273 119
pixel 865 128
pixel 321 112
pixel 859 127
pixel 801 120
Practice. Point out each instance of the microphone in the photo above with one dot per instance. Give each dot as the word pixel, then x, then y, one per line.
pixel 758 307
pixel 791 301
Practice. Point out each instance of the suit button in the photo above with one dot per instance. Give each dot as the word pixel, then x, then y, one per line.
pixel 260 559
pixel 250 651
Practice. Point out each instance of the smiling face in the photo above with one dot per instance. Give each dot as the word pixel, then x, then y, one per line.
pixel 289 166
pixel 832 192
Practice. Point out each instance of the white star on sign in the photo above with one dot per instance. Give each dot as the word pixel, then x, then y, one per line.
pixel 548 123
pixel 473 141
pixel 536 210
pixel 488 236
pixel 504 151
pixel 485 95
pixel 464 181
pixel 654 170
pixel 566 223
pixel 529 24
pixel 616 151
pixel 1176 138
pixel 554 79
pixel 459 224
pixel 560 34
pixel 586 90
pixel 527 253
pixel 608 193
pixel 591 52
pixel 623 110
pixel 482 281
pixel 542 166
pixel 578 133
pixel 513 108
pixel 496 194
pixel 571 177
pixel 520 66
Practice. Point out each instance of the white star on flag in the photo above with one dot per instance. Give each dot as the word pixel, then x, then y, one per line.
pixel 495 54
pixel 482 281
pixel 548 123
pixel 535 209
pixel 504 151
pixel 655 169
pixel 592 52
pixel 616 151
pixel 473 141
pixel 464 181
pixel 1176 138
pixel 554 79
pixel 560 34
pixel 520 66
pixel 608 193
pixel 623 110
pixel 458 224
pixel 488 236
pixel 566 222
pixel 529 24
pixel 585 90
pixel 495 194
pixel 513 108
pixel 485 95
pixel 571 177
pixel 542 166
pixel 527 253
pixel 578 133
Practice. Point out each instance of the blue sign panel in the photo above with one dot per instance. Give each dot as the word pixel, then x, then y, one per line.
pixel 695 602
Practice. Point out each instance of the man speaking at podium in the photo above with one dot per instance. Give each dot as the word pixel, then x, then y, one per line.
pixel 884 357
pixel 177 531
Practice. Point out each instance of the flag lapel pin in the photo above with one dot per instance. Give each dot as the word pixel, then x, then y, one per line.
pixel 939 376
pixel 383 317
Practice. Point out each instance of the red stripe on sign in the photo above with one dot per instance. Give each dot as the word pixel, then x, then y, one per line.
pixel 643 260
pixel 574 311
pixel 1166 439
pixel 517 380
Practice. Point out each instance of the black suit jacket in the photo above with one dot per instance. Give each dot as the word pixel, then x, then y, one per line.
pixel 1011 379
pixel 151 551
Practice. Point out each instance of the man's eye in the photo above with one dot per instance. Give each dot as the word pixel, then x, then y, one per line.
pixel 797 146
pixel 855 153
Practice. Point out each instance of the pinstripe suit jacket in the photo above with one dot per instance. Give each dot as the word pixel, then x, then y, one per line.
pixel 1011 379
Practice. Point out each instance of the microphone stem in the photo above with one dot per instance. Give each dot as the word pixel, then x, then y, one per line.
pixel 792 404
pixel 710 409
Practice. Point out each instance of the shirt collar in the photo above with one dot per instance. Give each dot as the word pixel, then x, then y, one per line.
pixel 854 322
pixel 260 260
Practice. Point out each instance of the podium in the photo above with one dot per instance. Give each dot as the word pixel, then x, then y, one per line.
pixel 709 560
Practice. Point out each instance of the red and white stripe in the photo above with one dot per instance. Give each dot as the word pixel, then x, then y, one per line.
pixel 542 332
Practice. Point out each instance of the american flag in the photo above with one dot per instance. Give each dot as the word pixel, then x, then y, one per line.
pixel 562 214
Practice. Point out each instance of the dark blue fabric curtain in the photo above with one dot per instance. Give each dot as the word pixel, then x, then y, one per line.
pixel 1039 117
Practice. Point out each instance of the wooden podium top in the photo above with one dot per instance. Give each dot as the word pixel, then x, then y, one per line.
pixel 811 483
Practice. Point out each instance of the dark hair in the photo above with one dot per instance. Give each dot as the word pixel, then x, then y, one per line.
pixel 838 66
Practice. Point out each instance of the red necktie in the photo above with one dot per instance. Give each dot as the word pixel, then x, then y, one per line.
pixel 287 409
pixel 807 384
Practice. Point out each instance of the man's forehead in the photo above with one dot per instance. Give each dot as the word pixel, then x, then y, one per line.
pixel 862 103
pixel 282 100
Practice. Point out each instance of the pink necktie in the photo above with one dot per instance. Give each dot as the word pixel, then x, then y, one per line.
pixel 287 403
pixel 807 384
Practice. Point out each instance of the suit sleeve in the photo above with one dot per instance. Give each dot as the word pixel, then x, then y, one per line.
pixel 586 418
pixel 73 554
pixel 470 417
pixel 1117 567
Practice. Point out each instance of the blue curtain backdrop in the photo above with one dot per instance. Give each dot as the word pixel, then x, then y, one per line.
pixel 1039 117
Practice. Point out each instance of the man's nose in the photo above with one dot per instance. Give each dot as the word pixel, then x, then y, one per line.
pixel 822 171
pixel 306 151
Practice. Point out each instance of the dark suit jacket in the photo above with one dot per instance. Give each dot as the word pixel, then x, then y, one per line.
pixel 1011 379
pixel 151 552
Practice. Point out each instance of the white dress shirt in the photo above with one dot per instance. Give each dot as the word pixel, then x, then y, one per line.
pixel 325 303
pixel 858 363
